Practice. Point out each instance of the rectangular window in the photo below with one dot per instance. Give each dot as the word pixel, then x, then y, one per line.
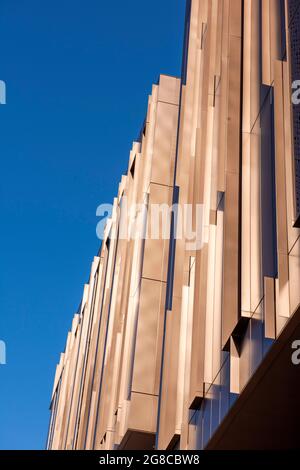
pixel 268 189
pixel 186 42
pixel 172 251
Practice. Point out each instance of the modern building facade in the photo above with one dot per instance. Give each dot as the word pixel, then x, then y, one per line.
pixel 182 342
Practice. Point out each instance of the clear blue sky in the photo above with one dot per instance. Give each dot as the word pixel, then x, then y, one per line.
pixel 78 73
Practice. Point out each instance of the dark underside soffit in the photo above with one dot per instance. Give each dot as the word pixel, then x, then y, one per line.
pixel 137 440
pixel 267 413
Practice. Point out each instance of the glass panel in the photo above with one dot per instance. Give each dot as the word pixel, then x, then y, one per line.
pixel 206 426
pixel 256 342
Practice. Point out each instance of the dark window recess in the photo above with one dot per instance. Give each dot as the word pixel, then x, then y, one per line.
pixel 142 132
pixel 186 41
pixel 268 188
pixel 282 30
pixel 132 168
pixel 221 201
pixel 172 250
pixel 294 31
